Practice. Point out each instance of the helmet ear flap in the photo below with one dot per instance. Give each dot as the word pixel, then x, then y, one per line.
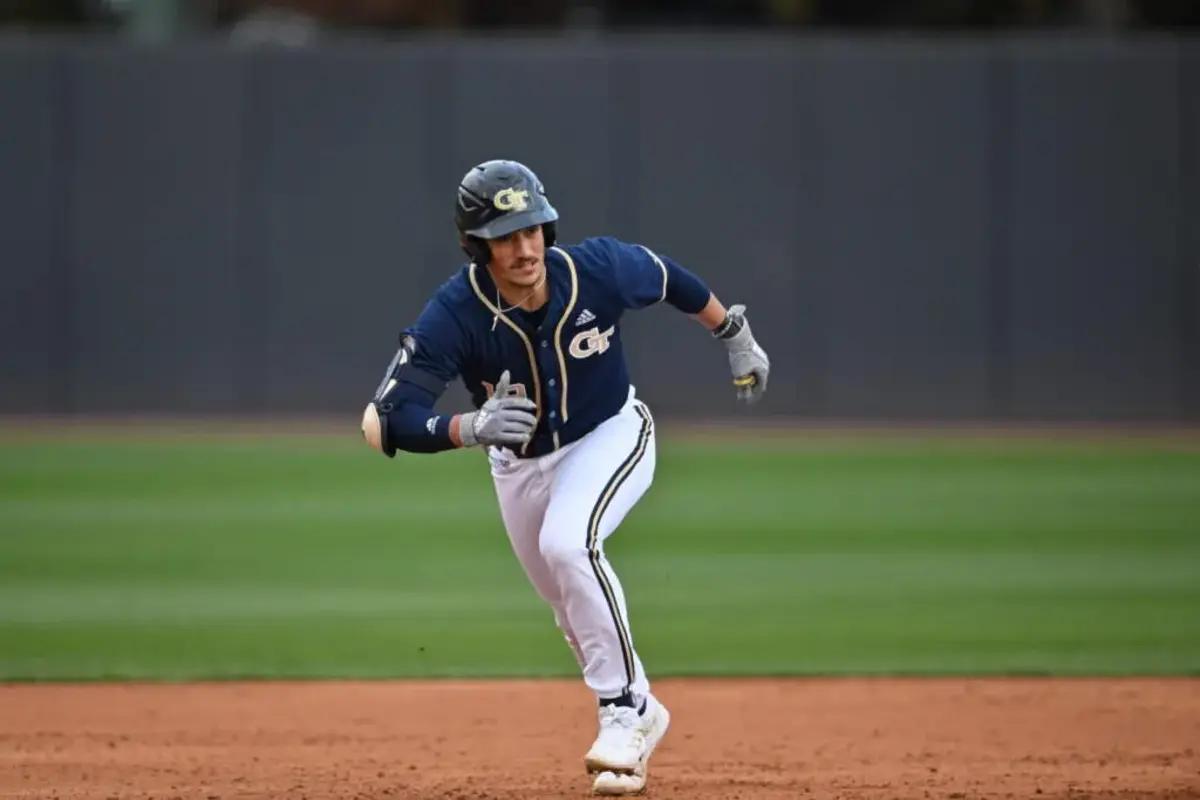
pixel 476 249
pixel 550 233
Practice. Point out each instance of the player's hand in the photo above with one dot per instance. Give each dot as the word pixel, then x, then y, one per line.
pixel 503 421
pixel 747 361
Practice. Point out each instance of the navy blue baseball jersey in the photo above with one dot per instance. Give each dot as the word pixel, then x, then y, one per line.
pixel 567 356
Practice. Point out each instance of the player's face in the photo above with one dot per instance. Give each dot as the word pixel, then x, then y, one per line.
pixel 518 259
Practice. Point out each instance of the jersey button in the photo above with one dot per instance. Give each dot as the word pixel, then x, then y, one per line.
pixel 545 343
pixel 551 381
pixel 553 415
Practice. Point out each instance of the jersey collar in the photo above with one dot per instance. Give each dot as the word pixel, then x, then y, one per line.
pixel 561 276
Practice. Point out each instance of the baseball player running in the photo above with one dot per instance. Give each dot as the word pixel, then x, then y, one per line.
pixel 534 331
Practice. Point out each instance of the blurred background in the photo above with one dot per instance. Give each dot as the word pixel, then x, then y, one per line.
pixel 934 210
pixel 961 229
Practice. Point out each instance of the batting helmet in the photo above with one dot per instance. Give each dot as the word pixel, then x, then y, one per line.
pixel 497 198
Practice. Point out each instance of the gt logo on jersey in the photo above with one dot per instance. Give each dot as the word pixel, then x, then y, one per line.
pixel 591 341
pixel 511 200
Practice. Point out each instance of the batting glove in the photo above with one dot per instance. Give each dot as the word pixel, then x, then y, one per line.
pixel 502 421
pixel 747 361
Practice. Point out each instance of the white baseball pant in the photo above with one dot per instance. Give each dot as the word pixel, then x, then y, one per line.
pixel 558 509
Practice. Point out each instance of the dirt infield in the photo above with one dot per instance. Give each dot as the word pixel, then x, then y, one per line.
pixel 742 739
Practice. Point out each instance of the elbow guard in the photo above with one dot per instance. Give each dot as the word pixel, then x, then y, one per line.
pixel 374 426
pixel 401 382
pixel 374 430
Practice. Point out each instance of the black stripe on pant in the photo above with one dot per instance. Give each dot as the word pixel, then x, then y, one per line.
pixel 594 554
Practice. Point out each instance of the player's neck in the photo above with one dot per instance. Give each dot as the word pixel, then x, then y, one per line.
pixel 526 298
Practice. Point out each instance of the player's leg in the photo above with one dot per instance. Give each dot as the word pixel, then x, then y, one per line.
pixel 524 492
pixel 595 485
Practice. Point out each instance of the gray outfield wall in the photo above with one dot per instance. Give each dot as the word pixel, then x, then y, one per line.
pixel 921 229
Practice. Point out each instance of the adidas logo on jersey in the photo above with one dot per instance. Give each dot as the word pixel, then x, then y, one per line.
pixel 584 317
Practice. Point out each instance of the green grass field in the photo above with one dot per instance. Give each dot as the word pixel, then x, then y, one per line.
pixel 232 556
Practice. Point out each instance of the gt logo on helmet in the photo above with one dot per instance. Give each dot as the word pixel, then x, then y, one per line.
pixel 511 199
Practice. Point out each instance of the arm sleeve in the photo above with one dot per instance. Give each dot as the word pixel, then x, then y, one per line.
pixel 413 426
pixel 435 345
pixel 644 277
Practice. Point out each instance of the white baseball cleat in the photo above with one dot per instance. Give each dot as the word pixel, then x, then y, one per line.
pixel 622 751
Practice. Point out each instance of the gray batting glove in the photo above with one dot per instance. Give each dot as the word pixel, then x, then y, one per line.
pixel 747 361
pixel 502 421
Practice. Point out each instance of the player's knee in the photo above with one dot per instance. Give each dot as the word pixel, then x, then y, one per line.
pixel 559 554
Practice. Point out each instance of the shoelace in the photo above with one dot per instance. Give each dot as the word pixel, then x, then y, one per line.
pixel 612 719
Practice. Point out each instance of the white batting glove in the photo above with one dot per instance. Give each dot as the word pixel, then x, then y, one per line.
pixel 747 361
pixel 502 421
